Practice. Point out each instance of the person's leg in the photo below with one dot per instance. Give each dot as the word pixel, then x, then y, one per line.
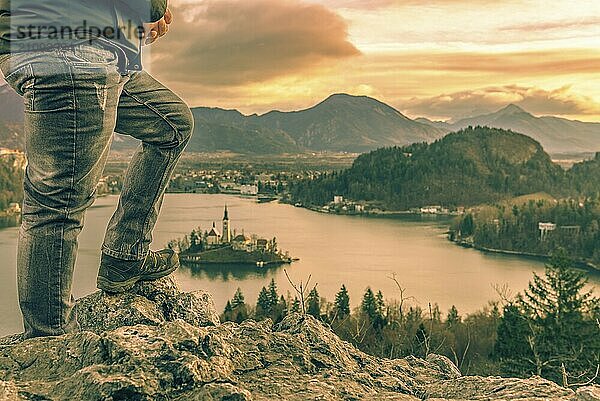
pixel 71 98
pixel 164 123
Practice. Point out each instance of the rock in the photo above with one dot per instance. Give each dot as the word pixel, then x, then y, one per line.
pixel 197 308
pixel 149 303
pixel 589 393
pixel 157 343
pixel 12 339
pixel 497 388
pixel 219 392
pixel 445 364
pixel 9 392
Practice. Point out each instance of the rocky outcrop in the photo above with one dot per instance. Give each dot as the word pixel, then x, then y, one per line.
pixel 157 343
pixel 149 303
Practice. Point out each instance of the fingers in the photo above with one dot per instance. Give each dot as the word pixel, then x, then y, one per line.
pixel 151 37
pixel 162 27
pixel 158 29
pixel 168 17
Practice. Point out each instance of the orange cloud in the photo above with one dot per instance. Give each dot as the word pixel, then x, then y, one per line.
pixel 235 42
pixel 556 61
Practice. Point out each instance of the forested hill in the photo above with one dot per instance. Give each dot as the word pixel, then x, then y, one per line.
pixel 472 166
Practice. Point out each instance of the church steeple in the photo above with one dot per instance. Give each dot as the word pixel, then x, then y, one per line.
pixel 226 237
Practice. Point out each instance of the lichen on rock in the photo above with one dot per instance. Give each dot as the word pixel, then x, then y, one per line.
pixel 157 343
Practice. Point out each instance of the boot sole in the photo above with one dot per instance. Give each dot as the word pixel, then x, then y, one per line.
pixel 122 286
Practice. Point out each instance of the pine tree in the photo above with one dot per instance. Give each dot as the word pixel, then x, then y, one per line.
pixel 283 306
pixel 273 296
pixel 239 308
pixel 467 226
pixel 314 303
pixel 379 318
pixel 558 325
pixel 227 315
pixel 453 317
pixel 295 305
pixel 194 240
pixel 511 347
pixel 369 304
pixel 263 304
pixel 342 303
pixel 380 303
pixel 238 299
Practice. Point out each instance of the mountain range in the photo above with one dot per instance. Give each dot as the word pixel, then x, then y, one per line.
pixel 557 135
pixel 340 123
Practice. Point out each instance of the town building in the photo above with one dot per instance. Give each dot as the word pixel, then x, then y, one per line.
pixel 214 236
pixel 249 190
pixel 242 242
pixel 545 228
pixel 14 208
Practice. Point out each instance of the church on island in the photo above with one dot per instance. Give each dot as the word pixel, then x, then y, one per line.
pixel 239 242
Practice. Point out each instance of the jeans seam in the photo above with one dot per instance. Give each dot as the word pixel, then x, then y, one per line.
pixel 164 178
pixel 162 185
pixel 72 185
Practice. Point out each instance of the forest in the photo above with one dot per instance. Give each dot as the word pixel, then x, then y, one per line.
pixel 552 329
pixel 470 167
pixel 516 227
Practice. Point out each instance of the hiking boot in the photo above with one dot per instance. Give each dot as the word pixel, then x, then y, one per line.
pixel 118 275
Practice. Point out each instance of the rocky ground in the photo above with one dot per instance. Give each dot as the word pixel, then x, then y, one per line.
pixel 157 343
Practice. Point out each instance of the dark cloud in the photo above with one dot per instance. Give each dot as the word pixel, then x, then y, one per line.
pixel 234 42
pixel 561 101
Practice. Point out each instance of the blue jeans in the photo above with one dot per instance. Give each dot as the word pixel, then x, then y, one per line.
pixel 75 98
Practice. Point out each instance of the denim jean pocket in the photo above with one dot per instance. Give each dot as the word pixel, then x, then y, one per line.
pixel 22 80
pixel 90 56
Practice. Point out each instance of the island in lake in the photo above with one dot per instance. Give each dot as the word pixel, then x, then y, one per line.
pixel 227 247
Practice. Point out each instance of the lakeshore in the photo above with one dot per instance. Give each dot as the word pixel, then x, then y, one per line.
pixel 334 250
pixel 228 256
pixel 582 264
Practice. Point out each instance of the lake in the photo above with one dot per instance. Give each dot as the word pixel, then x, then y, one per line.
pixel 335 250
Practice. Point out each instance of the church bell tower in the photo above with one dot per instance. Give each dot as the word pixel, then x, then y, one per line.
pixel 226 236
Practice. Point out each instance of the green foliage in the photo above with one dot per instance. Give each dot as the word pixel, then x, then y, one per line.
pixel 314 303
pixel 554 324
pixel 467 225
pixel 270 305
pixel 342 304
pixel 472 166
pixel 516 229
pixel 453 317
pixel 236 310
pixel 263 304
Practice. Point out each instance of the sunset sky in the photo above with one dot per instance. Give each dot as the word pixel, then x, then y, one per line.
pixel 441 58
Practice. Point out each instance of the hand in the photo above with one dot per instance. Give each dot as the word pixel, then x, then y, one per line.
pixel 157 29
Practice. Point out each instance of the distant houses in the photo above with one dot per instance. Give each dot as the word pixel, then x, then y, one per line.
pixel 566 231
